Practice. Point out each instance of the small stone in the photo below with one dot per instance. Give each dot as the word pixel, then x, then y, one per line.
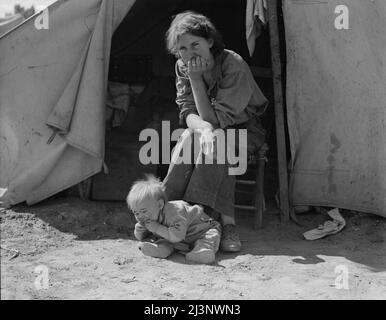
pixel 128 280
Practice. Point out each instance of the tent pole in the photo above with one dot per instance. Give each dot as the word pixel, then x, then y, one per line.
pixel 279 113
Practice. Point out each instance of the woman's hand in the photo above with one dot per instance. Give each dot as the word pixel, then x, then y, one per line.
pixel 197 66
pixel 207 141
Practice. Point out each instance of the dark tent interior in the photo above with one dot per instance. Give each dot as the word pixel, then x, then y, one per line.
pixel 140 61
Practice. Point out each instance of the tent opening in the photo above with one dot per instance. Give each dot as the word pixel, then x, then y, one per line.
pixel 141 89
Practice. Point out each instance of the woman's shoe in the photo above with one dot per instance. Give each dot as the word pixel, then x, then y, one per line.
pixel 230 241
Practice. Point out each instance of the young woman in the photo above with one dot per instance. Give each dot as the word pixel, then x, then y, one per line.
pixel 215 90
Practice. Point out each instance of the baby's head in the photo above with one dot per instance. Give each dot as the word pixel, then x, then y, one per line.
pixel 146 198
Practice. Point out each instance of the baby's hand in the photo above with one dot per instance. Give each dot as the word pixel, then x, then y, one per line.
pixel 142 220
pixel 151 225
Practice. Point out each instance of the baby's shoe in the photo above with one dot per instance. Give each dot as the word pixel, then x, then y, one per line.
pixel 201 255
pixel 155 250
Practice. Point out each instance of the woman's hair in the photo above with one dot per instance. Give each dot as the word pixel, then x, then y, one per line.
pixel 197 25
pixel 150 187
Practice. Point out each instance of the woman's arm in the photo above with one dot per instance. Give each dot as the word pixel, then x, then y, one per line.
pixel 191 113
pixel 204 108
pixel 196 68
pixel 194 121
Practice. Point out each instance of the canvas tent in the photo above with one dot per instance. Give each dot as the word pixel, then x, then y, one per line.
pixel 54 80
pixel 336 104
pixel 53 89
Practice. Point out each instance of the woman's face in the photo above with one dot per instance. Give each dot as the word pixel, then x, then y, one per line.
pixel 190 46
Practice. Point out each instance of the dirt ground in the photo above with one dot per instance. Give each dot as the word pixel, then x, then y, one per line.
pixel 88 252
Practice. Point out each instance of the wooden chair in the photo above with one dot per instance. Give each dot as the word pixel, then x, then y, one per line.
pixel 253 182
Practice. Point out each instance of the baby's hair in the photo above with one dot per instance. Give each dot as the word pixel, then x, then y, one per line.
pixel 144 188
pixel 196 24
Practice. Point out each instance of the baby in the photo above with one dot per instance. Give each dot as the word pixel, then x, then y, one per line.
pixel 174 223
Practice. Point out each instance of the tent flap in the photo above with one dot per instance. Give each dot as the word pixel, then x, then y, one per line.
pixel 55 78
pixel 336 101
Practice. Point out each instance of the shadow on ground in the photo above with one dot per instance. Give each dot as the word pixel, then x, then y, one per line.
pixel 361 241
pixel 87 220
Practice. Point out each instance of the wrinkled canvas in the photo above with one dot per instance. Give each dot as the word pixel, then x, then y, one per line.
pixel 54 81
pixel 336 104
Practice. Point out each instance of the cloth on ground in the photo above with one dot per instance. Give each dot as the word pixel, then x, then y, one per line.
pixel 327 228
